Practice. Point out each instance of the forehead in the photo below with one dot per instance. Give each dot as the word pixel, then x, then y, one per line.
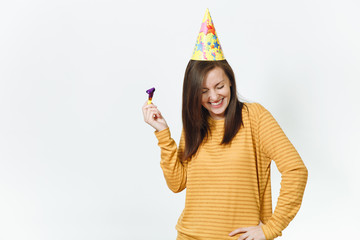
pixel 215 76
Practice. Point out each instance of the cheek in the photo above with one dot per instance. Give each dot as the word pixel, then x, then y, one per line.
pixel 228 92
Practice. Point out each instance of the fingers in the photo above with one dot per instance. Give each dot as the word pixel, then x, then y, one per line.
pixel 153 117
pixel 150 105
pixel 244 236
pixel 237 231
pixel 146 107
pixel 150 109
pixel 249 233
pixel 151 114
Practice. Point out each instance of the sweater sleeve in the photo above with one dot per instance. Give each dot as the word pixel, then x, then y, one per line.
pixel 174 170
pixel 275 145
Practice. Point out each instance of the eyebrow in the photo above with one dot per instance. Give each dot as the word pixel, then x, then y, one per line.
pixel 216 84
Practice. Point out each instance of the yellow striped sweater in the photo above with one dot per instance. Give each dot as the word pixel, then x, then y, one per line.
pixel 228 186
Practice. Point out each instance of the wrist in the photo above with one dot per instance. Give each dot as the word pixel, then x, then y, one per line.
pixel 159 129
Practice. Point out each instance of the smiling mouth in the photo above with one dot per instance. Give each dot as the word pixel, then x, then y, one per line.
pixel 217 103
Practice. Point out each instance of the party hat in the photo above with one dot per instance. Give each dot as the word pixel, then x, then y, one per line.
pixel 207 47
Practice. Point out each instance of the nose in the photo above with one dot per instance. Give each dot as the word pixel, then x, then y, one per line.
pixel 212 95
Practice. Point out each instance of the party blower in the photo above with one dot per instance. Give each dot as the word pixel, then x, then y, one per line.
pixel 151 94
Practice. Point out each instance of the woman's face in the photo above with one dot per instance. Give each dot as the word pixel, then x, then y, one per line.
pixel 216 93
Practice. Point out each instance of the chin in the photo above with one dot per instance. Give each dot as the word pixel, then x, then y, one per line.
pixel 217 112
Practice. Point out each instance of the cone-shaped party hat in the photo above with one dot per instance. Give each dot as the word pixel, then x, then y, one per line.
pixel 207 47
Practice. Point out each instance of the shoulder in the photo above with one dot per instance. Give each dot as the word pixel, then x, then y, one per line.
pixel 254 109
pixel 258 116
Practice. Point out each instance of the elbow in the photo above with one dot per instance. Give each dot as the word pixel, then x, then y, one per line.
pixel 298 172
pixel 176 189
pixel 302 174
pixel 304 171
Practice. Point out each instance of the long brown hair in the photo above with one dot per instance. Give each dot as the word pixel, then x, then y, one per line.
pixel 195 116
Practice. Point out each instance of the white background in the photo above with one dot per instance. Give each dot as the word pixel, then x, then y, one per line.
pixel 78 162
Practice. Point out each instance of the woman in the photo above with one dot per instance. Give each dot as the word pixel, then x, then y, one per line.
pixel 223 160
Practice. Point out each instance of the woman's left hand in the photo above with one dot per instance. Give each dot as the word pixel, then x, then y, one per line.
pixel 250 233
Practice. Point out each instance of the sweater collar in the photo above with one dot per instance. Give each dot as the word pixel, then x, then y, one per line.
pixel 216 124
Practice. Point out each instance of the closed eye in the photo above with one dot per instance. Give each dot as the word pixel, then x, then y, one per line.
pixel 220 87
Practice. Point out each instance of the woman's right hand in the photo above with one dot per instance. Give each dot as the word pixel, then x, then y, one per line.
pixel 153 117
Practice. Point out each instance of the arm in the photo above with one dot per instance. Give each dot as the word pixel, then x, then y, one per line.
pixel 174 171
pixel 275 145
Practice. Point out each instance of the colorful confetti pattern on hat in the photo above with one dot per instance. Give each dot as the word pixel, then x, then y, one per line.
pixel 207 47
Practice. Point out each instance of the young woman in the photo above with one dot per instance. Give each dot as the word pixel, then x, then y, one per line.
pixel 223 160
